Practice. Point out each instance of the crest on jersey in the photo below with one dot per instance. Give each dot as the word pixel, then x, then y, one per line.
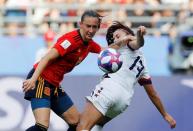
pixel 65 44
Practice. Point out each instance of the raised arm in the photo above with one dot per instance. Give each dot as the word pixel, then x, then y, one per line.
pixel 121 42
pixel 30 83
pixel 135 42
pixel 138 41
pixel 157 102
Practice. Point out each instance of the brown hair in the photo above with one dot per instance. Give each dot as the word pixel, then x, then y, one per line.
pixel 115 26
pixel 91 13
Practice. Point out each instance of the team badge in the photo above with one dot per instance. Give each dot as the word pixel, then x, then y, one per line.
pixel 47 91
pixel 65 44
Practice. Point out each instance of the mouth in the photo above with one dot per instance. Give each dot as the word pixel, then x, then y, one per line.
pixel 90 35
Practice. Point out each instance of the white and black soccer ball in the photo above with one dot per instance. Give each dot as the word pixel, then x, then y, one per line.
pixel 109 60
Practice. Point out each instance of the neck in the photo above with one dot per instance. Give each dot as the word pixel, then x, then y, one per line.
pixel 82 36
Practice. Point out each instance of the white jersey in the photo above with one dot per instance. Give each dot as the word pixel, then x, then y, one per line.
pixel 133 68
pixel 114 93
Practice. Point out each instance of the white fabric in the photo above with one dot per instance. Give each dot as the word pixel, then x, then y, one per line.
pixel 112 99
pixel 126 77
pixel 113 95
pixel 174 1
pixel 97 128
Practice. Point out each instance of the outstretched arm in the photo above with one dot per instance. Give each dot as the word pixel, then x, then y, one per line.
pixel 122 42
pixel 138 41
pixel 157 102
pixel 135 42
pixel 30 83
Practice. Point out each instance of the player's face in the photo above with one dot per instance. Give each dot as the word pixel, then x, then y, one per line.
pixel 88 27
pixel 119 34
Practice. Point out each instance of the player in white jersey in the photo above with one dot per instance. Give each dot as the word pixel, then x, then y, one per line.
pixel 114 93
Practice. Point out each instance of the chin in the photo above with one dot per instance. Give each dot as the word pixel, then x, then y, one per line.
pixel 89 38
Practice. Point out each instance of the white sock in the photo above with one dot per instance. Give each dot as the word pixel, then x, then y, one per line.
pixel 97 128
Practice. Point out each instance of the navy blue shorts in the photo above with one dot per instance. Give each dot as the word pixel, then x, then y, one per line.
pixel 47 95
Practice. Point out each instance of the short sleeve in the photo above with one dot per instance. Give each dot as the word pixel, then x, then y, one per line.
pixel 144 81
pixel 145 77
pixel 63 46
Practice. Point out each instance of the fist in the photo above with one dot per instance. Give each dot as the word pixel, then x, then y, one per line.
pixel 141 30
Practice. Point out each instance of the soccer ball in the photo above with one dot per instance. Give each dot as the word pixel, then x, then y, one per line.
pixel 109 60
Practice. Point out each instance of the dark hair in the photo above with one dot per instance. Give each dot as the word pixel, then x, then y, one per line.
pixel 91 13
pixel 115 26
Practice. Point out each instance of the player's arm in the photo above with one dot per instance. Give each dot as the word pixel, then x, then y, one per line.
pixel 134 42
pixel 138 41
pixel 157 102
pixel 30 83
pixel 122 42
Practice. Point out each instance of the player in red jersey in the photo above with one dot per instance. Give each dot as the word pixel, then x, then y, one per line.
pixel 42 86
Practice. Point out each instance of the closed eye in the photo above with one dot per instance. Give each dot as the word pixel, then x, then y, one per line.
pixel 116 36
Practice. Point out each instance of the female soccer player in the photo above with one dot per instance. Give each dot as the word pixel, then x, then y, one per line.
pixel 114 93
pixel 42 86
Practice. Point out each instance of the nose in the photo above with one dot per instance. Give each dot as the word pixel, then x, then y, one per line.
pixel 91 29
pixel 115 40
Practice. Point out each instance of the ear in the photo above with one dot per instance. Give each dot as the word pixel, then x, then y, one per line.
pixel 80 23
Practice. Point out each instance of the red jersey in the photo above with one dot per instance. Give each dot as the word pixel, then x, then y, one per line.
pixel 73 50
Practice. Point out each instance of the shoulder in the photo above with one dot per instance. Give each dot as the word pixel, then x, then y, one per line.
pixel 68 39
pixel 93 42
pixel 68 35
pixel 94 47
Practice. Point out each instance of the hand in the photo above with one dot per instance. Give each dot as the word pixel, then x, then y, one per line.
pixel 141 30
pixel 28 84
pixel 140 33
pixel 170 120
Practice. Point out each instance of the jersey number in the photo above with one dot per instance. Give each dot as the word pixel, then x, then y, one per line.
pixel 139 67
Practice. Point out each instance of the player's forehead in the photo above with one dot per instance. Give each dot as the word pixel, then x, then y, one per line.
pixel 90 20
pixel 119 32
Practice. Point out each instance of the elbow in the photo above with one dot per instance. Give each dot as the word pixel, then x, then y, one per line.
pixel 45 60
pixel 141 44
pixel 136 45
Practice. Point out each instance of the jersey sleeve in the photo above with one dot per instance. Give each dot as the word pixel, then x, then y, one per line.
pixel 63 45
pixel 95 48
pixel 144 81
pixel 145 77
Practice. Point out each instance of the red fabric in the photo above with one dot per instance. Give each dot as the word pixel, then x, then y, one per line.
pixel 72 51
